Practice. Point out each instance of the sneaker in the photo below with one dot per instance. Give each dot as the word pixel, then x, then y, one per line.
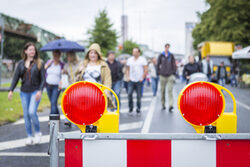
pixel 163 107
pixel 67 123
pixel 130 112
pixel 138 112
pixel 171 108
pixel 37 138
pixel 29 141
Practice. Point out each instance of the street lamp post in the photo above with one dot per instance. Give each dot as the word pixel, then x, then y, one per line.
pixel 2 38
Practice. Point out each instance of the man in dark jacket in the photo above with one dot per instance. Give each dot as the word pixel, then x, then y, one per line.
pixel 190 68
pixel 116 73
pixel 166 68
pixel 221 74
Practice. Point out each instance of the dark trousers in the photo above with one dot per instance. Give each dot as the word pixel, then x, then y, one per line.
pixel 137 86
pixel 53 94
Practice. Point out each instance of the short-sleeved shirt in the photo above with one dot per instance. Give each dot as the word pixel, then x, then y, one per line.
pixel 136 68
pixel 92 74
pixel 54 74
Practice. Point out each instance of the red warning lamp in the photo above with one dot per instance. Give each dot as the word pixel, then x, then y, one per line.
pixel 201 103
pixel 83 103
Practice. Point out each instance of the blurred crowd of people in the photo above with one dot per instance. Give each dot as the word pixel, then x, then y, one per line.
pixel 131 74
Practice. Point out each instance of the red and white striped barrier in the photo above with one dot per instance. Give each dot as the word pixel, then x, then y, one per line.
pixel 157 150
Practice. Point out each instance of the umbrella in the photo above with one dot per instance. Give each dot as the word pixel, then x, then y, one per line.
pixel 63 45
pixel 242 53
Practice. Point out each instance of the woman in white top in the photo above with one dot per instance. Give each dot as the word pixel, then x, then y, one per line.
pixel 53 80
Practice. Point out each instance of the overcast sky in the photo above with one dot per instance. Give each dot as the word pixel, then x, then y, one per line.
pixel 151 22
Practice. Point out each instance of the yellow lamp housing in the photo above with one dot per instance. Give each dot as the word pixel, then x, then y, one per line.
pixel 85 105
pixel 202 105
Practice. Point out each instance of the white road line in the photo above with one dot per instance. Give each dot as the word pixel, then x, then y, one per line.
pixel 41 119
pixel 130 126
pixel 148 120
pixel 125 110
pixel 144 99
pixel 134 95
pixel 21 142
pixel 27 154
pixel 243 105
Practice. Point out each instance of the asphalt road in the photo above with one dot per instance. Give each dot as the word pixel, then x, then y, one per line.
pixel 13 151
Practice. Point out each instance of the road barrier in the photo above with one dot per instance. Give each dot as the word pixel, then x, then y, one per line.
pixel 161 150
pixel 202 104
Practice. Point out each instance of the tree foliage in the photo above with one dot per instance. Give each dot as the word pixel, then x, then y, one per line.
pixel 225 20
pixel 13 47
pixel 103 33
pixel 128 46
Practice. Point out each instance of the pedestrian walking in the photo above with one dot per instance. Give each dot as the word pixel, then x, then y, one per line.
pixel 207 67
pixel 166 68
pixel 233 76
pixel 116 73
pixel 190 68
pixel 31 71
pixel 137 70
pixel 71 66
pixel 69 70
pixel 221 74
pixel 152 68
pixel 54 69
pixel 95 69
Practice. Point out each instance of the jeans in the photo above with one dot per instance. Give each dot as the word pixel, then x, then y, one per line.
pixel 170 82
pixel 137 86
pixel 222 81
pixel 125 84
pixel 233 80
pixel 154 81
pixel 30 106
pixel 116 86
pixel 53 94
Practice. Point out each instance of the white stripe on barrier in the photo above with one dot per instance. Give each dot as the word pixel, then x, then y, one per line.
pixel 105 153
pixel 195 153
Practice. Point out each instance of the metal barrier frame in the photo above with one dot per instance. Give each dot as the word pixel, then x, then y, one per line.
pixel 153 136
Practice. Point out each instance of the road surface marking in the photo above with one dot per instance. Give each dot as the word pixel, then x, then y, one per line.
pixel 148 120
pixel 144 99
pixel 243 105
pixel 41 119
pixel 21 142
pixel 134 95
pixel 27 154
pixel 125 110
pixel 130 126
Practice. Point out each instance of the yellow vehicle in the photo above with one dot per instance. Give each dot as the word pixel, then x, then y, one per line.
pixel 218 52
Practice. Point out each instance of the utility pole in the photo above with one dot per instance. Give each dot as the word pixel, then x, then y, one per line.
pixel 1 39
pixel 124 24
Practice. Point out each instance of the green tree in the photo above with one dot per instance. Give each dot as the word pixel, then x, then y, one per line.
pixel 103 33
pixel 13 47
pixel 128 46
pixel 225 20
